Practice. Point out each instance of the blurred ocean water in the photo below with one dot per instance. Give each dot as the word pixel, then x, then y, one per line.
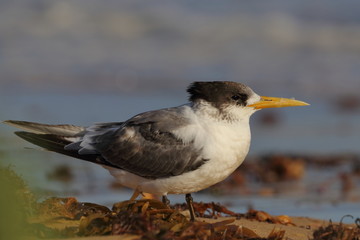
pixel 317 129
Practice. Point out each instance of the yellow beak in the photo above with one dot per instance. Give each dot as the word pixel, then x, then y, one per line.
pixel 274 102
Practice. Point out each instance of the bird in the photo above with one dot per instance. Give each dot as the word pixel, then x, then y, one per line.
pixel 175 150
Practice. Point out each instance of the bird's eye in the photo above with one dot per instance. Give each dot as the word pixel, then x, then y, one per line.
pixel 235 97
pixel 242 97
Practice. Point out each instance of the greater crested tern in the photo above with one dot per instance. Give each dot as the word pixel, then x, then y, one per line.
pixel 178 150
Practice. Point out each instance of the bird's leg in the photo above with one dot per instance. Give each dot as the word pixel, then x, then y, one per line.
pixel 135 195
pixel 189 201
pixel 166 201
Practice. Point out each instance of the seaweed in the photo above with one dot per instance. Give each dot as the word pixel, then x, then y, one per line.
pixel 338 231
pixel 146 218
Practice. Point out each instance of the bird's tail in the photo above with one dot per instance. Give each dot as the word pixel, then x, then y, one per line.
pixel 62 130
pixel 54 138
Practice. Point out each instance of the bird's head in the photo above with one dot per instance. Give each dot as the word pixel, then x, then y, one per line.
pixel 233 100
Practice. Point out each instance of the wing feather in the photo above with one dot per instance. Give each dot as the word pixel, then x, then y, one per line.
pixel 145 145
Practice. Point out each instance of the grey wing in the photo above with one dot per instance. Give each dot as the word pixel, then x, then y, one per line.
pixel 146 146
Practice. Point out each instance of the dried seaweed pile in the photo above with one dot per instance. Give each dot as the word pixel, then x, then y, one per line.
pixel 215 210
pixel 338 232
pixel 149 219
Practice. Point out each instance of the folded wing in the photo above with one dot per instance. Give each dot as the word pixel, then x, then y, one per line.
pixel 144 145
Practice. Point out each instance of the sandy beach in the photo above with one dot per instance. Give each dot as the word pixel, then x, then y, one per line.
pixel 302 230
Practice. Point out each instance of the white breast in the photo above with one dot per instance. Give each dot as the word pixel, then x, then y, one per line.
pixel 224 144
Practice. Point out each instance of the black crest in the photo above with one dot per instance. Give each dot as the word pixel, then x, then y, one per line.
pixel 219 93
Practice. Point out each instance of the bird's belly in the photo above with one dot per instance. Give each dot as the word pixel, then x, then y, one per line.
pixel 213 171
pixel 127 179
pixel 204 177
